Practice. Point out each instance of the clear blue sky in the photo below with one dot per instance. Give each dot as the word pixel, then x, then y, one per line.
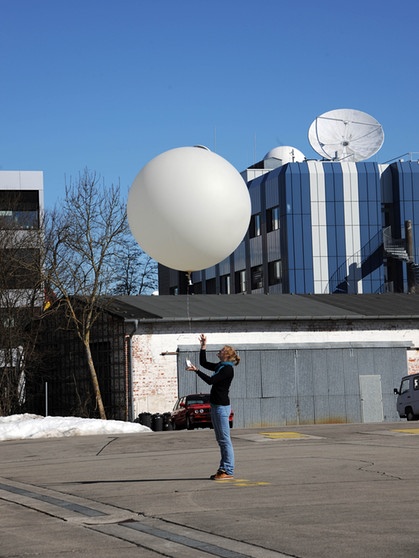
pixel 110 84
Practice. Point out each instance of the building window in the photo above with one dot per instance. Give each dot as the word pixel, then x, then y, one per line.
pixel 8 322
pixel 197 288
pixel 272 218
pixel 19 209
pixel 21 268
pixel 257 277
pixel 225 284
pixel 240 280
pixel 210 286
pixel 254 227
pixel 275 272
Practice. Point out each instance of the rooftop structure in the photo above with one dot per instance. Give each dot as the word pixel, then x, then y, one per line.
pixel 336 225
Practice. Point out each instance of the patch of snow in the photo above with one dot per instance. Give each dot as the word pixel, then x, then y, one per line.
pixel 27 426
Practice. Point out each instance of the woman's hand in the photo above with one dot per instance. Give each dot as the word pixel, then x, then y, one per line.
pixel 192 368
pixel 203 341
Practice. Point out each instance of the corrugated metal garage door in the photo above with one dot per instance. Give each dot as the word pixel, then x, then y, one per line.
pixel 280 385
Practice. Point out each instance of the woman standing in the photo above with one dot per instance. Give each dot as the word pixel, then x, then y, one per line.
pixel 220 381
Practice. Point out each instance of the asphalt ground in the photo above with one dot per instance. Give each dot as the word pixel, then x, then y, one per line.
pixel 318 491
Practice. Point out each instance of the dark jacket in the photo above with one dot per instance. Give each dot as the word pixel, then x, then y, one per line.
pixel 220 380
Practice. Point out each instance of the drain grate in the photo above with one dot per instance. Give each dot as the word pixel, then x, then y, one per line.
pixel 77 508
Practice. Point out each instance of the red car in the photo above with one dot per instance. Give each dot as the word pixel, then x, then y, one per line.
pixel 193 411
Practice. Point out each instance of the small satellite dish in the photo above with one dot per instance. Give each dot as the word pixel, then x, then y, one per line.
pixel 346 135
pixel 286 154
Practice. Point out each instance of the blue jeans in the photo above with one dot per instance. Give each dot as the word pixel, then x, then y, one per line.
pixel 219 418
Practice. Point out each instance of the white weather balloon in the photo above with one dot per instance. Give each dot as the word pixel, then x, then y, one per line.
pixel 188 208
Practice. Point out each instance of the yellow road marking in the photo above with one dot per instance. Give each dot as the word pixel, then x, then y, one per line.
pixel 243 482
pixel 283 435
pixel 250 483
pixel 407 431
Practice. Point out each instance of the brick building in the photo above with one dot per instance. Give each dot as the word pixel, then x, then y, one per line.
pixel 305 358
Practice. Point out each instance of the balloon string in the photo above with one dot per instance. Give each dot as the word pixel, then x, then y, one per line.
pixel 188 314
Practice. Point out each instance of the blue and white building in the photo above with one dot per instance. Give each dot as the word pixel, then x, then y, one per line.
pixel 320 226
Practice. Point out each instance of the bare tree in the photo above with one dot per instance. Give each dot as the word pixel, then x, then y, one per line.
pixel 83 241
pixel 135 272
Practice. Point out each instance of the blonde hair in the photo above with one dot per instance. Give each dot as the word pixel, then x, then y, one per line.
pixel 231 355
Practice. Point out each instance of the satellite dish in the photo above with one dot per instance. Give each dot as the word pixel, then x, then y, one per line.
pixel 346 135
pixel 286 154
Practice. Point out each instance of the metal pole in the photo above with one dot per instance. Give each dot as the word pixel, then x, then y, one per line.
pixel 129 396
pixel 411 287
pixel 46 399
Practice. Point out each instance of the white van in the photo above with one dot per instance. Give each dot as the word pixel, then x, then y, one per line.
pixel 408 397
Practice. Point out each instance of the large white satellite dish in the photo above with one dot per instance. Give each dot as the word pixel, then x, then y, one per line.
pixel 346 135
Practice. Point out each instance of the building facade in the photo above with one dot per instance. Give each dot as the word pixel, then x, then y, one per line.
pixel 21 210
pixel 320 227
pixel 59 382
pixel 304 358
pixel 21 291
